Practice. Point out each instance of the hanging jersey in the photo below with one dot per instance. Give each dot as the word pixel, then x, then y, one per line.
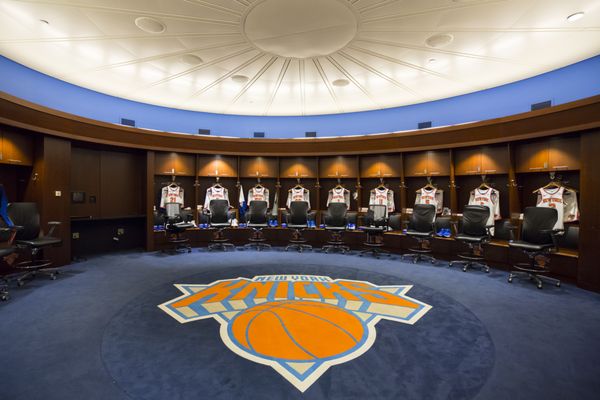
pixel 298 194
pixel 431 196
pixel 564 201
pixel 339 195
pixel 258 193
pixel 383 196
pixel 490 198
pixel 215 193
pixel 171 194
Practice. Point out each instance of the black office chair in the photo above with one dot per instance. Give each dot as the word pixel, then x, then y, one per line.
pixel 175 227
pixel 538 240
pixel 219 218
pixel 421 228
pixel 257 219
pixel 336 221
pixel 375 225
pixel 8 253
pixel 474 232
pixel 30 239
pixel 297 219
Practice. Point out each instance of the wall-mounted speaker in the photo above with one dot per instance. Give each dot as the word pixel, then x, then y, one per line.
pixel 310 134
pixel 541 105
pixel 128 122
pixel 203 131
pixel 259 134
pixel 423 125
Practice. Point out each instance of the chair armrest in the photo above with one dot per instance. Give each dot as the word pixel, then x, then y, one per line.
pixel 52 225
pixel 352 216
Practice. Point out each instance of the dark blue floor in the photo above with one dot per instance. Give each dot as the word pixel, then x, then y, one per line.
pixel 88 335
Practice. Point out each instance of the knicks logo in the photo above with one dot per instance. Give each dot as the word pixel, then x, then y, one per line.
pixel 298 324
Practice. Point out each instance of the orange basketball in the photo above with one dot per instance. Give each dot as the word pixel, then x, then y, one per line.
pixel 297 330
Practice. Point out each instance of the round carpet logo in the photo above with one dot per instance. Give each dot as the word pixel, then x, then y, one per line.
pixel 300 325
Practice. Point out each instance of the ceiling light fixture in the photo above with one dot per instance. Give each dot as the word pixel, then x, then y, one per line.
pixel 431 61
pixel 150 25
pixel 575 17
pixel 191 59
pixel 439 40
pixel 240 79
pixel 341 82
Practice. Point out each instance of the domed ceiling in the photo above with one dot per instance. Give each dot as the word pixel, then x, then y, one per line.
pixel 296 57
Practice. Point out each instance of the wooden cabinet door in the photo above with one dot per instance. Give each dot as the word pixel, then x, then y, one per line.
pixel 263 167
pixel 174 164
pixel 438 162
pixel 415 164
pixel 532 157
pixel 224 166
pixel 338 167
pixel 17 148
pixel 384 166
pixel 301 167
pixel 467 161
pixel 494 160
pixel 563 154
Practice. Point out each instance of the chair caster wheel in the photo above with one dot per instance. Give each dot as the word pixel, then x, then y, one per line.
pixel 510 280
pixel 20 283
pixel 53 277
pixel 558 284
pixel 539 286
pixel 4 297
pixel 464 269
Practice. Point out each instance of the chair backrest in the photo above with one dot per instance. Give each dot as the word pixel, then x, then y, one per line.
pixel 218 211
pixel 337 214
pixel 422 217
pixel 27 216
pixel 502 229
pixel 298 213
pixel 377 214
pixel 258 212
pixel 474 220
pixel 173 209
pixel 536 220
pixel 570 239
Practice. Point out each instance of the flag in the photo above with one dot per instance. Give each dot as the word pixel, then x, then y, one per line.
pixel 242 201
pixel 275 208
pixel 4 206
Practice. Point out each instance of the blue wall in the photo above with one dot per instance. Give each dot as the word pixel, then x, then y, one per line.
pixel 563 85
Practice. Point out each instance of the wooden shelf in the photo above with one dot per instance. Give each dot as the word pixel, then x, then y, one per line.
pixel 174 164
pixel 301 167
pixel 16 148
pixel 223 166
pixel 264 167
pixel 427 163
pixel 381 166
pixel 338 167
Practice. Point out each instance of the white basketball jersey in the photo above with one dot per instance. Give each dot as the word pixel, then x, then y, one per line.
pixel 298 194
pixel 565 203
pixel 490 198
pixel 339 195
pixel 382 196
pixel 258 193
pixel 216 193
pixel 431 196
pixel 171 194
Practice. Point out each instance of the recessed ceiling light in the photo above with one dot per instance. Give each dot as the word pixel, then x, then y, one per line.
pixel 150 25
pixel 240 78
pixel 431 61
pixel 191 59
pixel 575 17
pixel 439 40
pixel 341 82
pixel 45 22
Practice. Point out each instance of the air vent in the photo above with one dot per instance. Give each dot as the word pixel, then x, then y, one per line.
pixel 423 125
pixel 259 134
pixel 203 131
pixel 310 134
pixel 541 105
pixel 128 122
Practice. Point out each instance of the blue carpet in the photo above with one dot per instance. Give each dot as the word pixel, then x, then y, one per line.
pixel 96 333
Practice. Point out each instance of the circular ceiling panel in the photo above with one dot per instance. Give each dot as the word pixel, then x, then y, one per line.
pixel 296 57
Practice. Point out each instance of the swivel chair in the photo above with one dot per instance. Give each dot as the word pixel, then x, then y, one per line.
pixel 421 228
pixel 257 219
pixel 219 219
pixel 31 239
pixel 538 240
pixel 375 225
pixel 176 224
pixel 7 251
pixel 336 221
pixel 298 221
pixel 474 232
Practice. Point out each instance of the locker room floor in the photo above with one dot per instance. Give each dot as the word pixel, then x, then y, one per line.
pixel 96 333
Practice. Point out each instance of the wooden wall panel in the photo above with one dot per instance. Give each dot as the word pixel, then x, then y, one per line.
pixel 172 163
pixel 216 165
pixel 265 167
pixel 338 167
pixel 384 166
pixel 303 167
pixel 122 183
pixel 85 177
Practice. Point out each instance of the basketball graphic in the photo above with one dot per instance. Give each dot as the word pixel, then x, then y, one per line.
pixel 300 325
pixel 297 330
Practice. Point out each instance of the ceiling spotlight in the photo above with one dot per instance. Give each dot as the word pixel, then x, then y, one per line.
pixel 575 17
pixel 240 78
pixel 45 22
pixel 341 82
pixel 150 25
pixel 439 40
pixel 191 59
